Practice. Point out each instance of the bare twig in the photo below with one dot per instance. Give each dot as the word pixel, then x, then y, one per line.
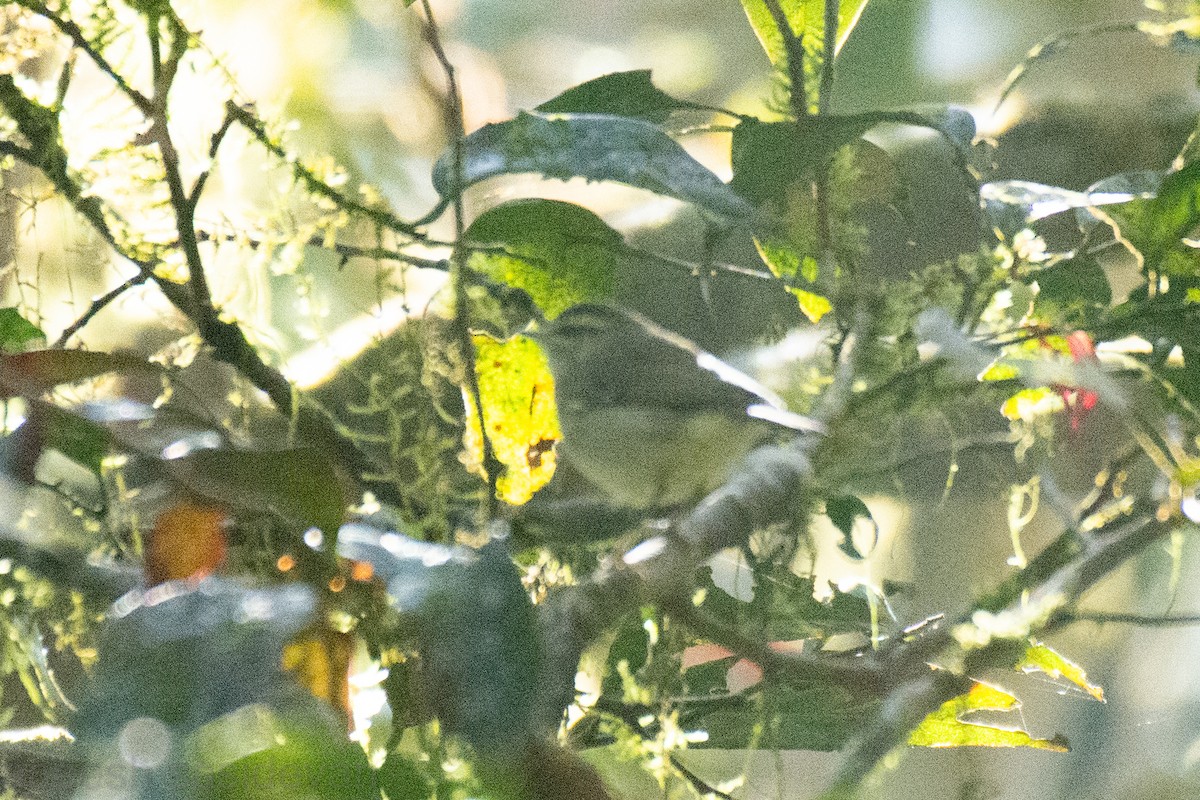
pixel 1141 620
pixel 257 128
pixel 81 43
pixel 102 302
pixel 453 110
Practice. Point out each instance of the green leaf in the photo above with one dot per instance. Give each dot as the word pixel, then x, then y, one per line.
pixel 16 332
pixel 170 656
pixel 1156 226
pixel 820 718
pixel 34 373
pixel 561 254
pixel 951 726
pixel 770 157
pixel 807 18
pixel 299 484
pixel 279 754
pixel 1070 290
pixel 482 655
pixel 597 147
pixel 401 779
pixel 624 94
pixel 845 511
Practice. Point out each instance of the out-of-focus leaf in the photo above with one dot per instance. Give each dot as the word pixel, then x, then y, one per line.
pixel 818 718
pixel 49 427
pixel 412 569
pixel 807 18
pixel 17 333
pixel 560 253
pixel 481 656
pixel 401 779
pixel 950 725
pixel 1120 188
pixel 845 511
pixel 299 484
pixel 598 147
pixel 1013 205
pixel 319 660
pixel 770 157
pixel 185 655
pixel 188 541
pixel 625 94
pixel 1072 290
pixel 36 372
pixel 1155 226
pixel 517 393
pixel 278 754
pixel 1043 658
pixel 784 609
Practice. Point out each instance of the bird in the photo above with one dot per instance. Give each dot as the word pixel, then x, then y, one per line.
pixel 647 416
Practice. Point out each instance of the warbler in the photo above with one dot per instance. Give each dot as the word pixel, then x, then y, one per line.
pixel 647 416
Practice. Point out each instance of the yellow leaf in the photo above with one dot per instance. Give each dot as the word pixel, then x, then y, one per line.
pixel 813 305
pixel 517 393
pixel 949 726
pixel 1028 404
pixel 1042 658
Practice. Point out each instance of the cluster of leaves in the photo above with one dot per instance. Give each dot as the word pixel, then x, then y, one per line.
pixel 239 523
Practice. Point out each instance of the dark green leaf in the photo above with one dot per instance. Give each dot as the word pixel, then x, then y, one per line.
pixel 845 511
pixel 770 157
pixel 16 332
pixel 299 484
pixel 481 655
pixel 401 779
pixel 597 147
pixel 819 718
pixel 1072 288
pixel 624 94
pixel 31 374
pixel 170 656
pixel 560 253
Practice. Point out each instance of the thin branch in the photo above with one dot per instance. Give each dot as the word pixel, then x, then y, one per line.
pixel 100 303
pixel 793 51
pixel 213 146
pixel 257 128
pixel 1142 620
pixel 81 43
pixel 455 125
pixel 345 251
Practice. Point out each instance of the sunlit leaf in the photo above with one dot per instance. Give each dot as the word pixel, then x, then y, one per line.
pixel 1012 205
pixel 625 94
pixel 279 754
pixel 517 393
pixel 1156 226
pixel 598 147
pixel 17 333
pixel 319 660
pixel 951 726
pixel 1030 404
pixel 560 253
pixel 1043 658
pixel 807 18
pixel 814 306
